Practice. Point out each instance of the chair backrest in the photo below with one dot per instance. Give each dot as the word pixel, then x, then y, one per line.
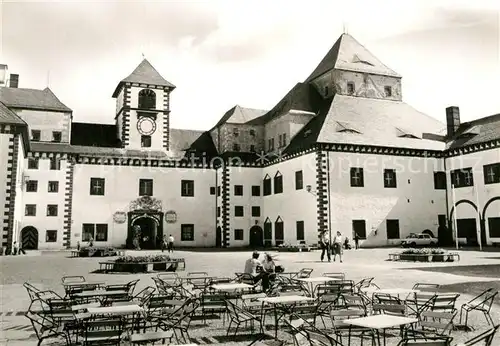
pixel 32 290
pixel 144 295
pixel 170 278
pixel 363 283
pixel 444 301
pixel 353 301
pixel 437 321
pixel 71 279
pixel 304 273
pixel 486 336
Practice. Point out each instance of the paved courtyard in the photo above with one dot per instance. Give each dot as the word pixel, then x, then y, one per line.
pixel 475 271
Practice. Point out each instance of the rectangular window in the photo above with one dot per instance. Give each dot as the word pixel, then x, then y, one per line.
pixel 238 190
pixel 491 173
pixel 32 186
pixel 390 178
pixel 299 180
pixel 56 136
pixel 50 236
pixel 52 210
pixel 280 141
pixel 97 186
pixel 494 227
pixel 252 148
pixel 357 177
pixel 392 227
pixel 88 231
pixel 146 141
pixel 101 232
pixel 359 227
pixel 33 163
pixel 255 190
pixel 284 139
pixel 187 188
pixel 350 88
pixel 53 186
pixel 35 135
pixel 145 187
pixel 268 233
pixel 236 133
pixel 278 184
pixel 252 132
pixel 238 211
pixel 212 190
pixel 30 210
pixel 187 232
pixel 299 226
pixel 218 211
pixel 267 186
pixel 439 180
pixel 462 177
pixel 279 232
pixel 388 91
pixel 256 211
pixel 236 147
pixel 272 143
pixel 218 190
pixel 269 145
pixel 238 234
pixel 55 163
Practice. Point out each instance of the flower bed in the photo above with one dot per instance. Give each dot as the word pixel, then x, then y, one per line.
pixel 96 251
pixel 425 255
pixel 293 248
pixel 144 264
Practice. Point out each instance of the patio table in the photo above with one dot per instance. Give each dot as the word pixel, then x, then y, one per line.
pixel 231 286
pixel 316 280
pixel 381 322
pixel 83 284
pixel 280 301
pixel 100 294
pixel 117 310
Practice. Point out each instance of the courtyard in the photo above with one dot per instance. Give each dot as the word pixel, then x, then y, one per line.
pixel 474 272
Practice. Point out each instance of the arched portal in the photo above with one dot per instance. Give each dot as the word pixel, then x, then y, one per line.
pixel 256 237
pixel 148 232
pixel 218 237
pixel 467 227
pixel 29 238
pixel 491 219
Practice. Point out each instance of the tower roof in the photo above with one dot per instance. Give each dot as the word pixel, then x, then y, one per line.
pixel 348 54
pixel 145 73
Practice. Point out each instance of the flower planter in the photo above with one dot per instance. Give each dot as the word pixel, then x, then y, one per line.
pixel 160 266
pixel 422 258
pixel 407 257
pixel 130 267
pixel 439 258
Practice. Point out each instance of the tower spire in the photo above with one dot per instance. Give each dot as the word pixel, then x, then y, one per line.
pixel 345 28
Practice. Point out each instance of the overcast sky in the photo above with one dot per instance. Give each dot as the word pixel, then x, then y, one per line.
pixel 251 53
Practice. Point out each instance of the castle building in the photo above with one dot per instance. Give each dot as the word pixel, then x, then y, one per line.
pixel 340 151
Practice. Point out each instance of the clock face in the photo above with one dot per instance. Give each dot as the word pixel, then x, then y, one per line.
pixel 146 126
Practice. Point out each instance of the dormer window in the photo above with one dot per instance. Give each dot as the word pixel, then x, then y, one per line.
pixel 388 91
pixel 147 99
pixel 35 135
pixel 350 88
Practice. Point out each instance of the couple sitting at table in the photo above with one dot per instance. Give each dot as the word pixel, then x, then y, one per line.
pixel 261 270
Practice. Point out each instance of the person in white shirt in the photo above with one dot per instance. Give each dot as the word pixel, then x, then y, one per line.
pixel 251 265
pixel 325 246
pixel 337 246
pixel 268 267
pixel 170 246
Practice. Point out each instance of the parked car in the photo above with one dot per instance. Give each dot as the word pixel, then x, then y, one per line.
pixel 421 239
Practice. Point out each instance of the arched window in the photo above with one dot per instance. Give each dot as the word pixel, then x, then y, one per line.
pixel 147 99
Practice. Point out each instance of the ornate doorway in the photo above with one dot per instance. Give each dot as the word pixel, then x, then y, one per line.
pixel 29 238
pixel 145 223
pixel 256 237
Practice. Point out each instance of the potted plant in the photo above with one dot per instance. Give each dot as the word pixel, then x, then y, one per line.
pixel 408 255
pixel 439 255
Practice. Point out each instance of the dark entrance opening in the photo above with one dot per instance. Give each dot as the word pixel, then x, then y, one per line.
pixel 444 234
pixel 29 238
pixel 466 228
pixel 218 237
pixel 150 233
pixel 256 237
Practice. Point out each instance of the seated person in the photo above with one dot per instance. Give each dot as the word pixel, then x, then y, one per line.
pixel 269 275
pixel 251 265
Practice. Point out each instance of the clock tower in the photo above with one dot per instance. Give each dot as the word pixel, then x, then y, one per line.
pixel 143 109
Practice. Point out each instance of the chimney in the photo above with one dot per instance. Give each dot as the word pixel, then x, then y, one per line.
pixel 452 120
pixel 14 80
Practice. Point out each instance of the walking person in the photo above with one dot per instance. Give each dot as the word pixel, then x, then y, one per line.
pixel 164 243
pixel 356 240
pixel 337 247
pixel 325 246
pixel 78 245
pixel 170 244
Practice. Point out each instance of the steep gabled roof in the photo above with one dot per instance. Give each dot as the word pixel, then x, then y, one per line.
pixel 32 99
pixel 478 131
pixel 239 115
pixel 378 121
pixel 302 97
pixel 9 117
pixel 350 55
pixel 145 73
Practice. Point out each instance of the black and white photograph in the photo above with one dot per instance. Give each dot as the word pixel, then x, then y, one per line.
pixel 250 173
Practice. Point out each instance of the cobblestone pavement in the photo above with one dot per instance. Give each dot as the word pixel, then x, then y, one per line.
pixel 46 270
